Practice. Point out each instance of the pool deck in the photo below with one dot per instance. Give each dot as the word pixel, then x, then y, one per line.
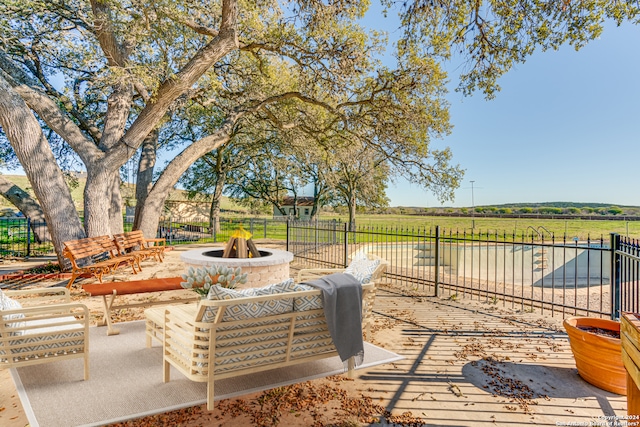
pixel 479 363
pixel 467 362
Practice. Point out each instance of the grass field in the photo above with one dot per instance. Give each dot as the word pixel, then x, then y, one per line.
pixel 582 229
pixel 505 228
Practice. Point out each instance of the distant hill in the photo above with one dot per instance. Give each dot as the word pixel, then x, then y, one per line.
pixel 562 205
pixel 569 209
pixel 127 193
pixel 546 208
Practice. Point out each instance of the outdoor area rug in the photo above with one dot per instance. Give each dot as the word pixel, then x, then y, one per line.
pixel 126 381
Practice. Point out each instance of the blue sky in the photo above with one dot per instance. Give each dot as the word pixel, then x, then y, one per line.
pixel 565 127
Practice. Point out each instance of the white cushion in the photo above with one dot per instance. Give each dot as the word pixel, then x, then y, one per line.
pixel 362 269
pixel 7 303
pixel 48 339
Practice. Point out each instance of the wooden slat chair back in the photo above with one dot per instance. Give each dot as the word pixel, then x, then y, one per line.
pixel 96 256
pixel 134 243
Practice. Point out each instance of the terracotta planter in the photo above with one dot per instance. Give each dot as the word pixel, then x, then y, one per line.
pixel 598 357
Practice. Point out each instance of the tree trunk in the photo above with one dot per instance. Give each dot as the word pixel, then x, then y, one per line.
pixel 214 213
pixel 150 213
pixel 97 200
pixel 32 149
pixel 116 221
pixel 314 208
pixel 144 178
pixel 28 206
pixel 152 208
pixel 352 212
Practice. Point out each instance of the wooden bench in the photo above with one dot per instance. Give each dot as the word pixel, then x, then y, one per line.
pixel 47 328
pixel 134 243
pixel 113 289
pixel 95 256
pixel 202 343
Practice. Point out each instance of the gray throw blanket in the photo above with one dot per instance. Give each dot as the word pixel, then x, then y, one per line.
pixel 342 302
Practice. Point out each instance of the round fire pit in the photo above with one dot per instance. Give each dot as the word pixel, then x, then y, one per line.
pixel 271 267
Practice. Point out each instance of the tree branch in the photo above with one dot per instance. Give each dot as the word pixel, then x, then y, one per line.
pixel 49 111
pixel 172 88
pixel 103 29
pixel 36 69
pixel 189 23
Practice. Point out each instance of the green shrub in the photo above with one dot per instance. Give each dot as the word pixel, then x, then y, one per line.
pixel 614 210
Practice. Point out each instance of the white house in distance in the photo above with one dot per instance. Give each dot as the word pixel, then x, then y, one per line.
pixel 304 205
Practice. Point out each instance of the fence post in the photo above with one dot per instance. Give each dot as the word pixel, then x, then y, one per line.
pixel 615 276
pixel 28 237
pixel 335 231
pixel 346 244
pixel 265 228
pixel 437 255
pixel 288 235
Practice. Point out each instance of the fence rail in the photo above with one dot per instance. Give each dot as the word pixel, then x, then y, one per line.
pixel 535 272
pixel 626 275
pixel 23 237
pixel 179 232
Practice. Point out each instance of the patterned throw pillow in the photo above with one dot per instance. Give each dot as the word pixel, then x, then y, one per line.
pixel 277 288
pixel 217 292
pixel 7 303
pixel 255 309
pixel 311 302
pixel 362 269
pixel 357 256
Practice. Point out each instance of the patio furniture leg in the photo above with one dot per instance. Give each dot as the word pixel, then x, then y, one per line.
pixel 166 372
pixel 86 364
pixel 210 402
pixel 107 314
pixel 74 276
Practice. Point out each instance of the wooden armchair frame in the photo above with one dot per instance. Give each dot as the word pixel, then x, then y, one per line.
pixel 52 328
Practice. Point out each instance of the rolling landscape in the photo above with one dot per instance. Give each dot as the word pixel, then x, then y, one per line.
pixel 561 219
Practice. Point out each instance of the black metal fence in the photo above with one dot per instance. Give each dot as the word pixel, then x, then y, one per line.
pixel 261 228
pixel 23 237
pixel 592 277
pixel 525 272
pixel 626 275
